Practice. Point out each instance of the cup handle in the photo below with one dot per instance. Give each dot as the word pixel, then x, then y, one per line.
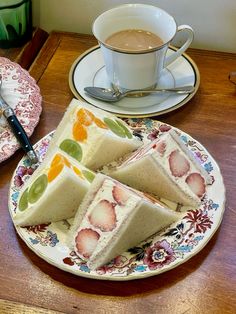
pixel 185 46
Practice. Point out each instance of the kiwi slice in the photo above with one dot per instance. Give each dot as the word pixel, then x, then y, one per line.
pixel 72 148
pixel 114 127
pixel 126 130
pixel 37 188
pixel 23 203
pixel 88 175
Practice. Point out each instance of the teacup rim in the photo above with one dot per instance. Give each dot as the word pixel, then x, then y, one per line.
pixel 139 51
pixel 145 51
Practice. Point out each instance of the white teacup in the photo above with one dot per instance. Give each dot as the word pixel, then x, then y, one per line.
pixel 138 69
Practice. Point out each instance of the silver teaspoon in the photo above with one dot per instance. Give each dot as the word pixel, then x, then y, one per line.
pixel 111 95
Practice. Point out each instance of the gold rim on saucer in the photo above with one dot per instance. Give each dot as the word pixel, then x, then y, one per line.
pixel 152 114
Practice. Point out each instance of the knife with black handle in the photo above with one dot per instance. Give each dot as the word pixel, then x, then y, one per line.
pixel 18 130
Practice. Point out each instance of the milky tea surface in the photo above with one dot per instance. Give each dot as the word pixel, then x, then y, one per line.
pixel 134 40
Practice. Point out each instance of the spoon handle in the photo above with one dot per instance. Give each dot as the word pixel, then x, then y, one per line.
pixel 178 90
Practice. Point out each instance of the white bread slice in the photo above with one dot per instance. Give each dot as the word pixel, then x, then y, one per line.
pixel 156 168
pixel 61 195
pixel 113 218
pixel 102 144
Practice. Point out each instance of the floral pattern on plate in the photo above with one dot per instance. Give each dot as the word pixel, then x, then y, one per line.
pixel 162 252
pixel 22 93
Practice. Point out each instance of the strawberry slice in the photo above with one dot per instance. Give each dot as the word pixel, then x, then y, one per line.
pixel 120 195
pixel 179 165
pixel 103 216
pixel 160 147
pixel 86 241
pixel 196 183
pixel 164 128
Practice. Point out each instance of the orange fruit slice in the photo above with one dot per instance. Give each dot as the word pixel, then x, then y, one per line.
pixel 78 172
pixel 79 132
pixel 60 159
pixel 56 160
pixel 85 117
pixel 55 171
pixel 100 123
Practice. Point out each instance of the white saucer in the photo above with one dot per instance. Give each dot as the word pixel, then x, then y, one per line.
pixel 89 70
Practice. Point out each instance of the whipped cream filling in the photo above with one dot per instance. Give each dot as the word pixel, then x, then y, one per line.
pixel 94 134
pixel 164 159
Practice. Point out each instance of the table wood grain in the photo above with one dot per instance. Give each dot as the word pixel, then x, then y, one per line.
pixel 9 307
pixel 26 54
pixel 204 284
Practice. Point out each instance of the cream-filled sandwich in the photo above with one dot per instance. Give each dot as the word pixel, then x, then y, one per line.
pixel 92 136
pixel 54 191
pixel 166 168
pixel 113 218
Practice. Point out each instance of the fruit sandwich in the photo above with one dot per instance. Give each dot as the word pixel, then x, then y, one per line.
pixel 166 168
pixel 112 218
pixel 54 191
pixel 92 136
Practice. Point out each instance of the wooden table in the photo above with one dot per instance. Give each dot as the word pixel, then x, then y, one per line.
pixel 204 284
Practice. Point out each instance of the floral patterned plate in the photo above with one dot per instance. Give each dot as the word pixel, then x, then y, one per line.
pixel 22 93
pixel 162 252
